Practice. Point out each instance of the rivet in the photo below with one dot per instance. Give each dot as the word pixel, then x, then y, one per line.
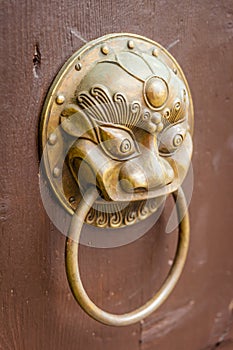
pixel 52 139
pixel 105 49
pixel 60 99
pixel 130 44
pixel 155 52
pixel 56 172
pixel 78 66
pixel 175 70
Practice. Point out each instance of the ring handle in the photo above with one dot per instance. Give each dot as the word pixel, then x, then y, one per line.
pixel 73 274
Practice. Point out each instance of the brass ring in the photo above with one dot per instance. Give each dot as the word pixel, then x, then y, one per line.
pixel 73 275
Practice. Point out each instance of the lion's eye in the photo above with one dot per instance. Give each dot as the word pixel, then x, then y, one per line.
pixel 177 140
pixel 118 142
pixel 125 146
pixel 172 138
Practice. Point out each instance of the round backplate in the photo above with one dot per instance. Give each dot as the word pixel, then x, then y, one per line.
pixel 62 92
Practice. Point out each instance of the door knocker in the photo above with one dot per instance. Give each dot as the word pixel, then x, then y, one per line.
pixel 116 137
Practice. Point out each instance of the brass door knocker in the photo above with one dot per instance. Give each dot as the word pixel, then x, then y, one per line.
pixel 116 136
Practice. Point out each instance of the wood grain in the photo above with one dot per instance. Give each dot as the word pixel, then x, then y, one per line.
pixel 37 309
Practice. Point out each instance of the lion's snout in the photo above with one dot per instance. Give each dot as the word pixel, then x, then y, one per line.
pixel 145 174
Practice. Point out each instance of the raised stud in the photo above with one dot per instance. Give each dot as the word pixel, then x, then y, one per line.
pixel 155 52
pixel 56 172
pixel 60 99
pixel 105 49
pixel 130 44
pixel 52 138
pixel 78 66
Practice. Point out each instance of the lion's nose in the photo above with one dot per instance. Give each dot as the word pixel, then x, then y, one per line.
pixel 138 177
pixel 132 178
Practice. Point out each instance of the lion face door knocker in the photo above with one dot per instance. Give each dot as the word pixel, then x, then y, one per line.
pixel 116 136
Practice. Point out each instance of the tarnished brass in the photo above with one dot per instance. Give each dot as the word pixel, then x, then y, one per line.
pixel 116 136
pixel 122 104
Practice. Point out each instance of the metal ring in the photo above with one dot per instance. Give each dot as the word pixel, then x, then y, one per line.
pixel 73 274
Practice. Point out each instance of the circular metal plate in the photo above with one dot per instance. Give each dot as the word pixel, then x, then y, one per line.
pixel 62 92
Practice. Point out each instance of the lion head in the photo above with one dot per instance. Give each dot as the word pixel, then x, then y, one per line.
pixel 131 123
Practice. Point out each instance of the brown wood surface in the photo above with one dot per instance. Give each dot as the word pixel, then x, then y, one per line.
pixel 37 310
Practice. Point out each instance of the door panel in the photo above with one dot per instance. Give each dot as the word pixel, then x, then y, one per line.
pixel 38 310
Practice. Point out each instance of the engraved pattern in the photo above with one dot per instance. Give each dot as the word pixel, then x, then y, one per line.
pixel 101 106
pixel 113 215
pixel 176 113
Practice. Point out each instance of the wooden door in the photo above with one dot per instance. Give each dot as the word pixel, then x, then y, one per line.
pixel 37 308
